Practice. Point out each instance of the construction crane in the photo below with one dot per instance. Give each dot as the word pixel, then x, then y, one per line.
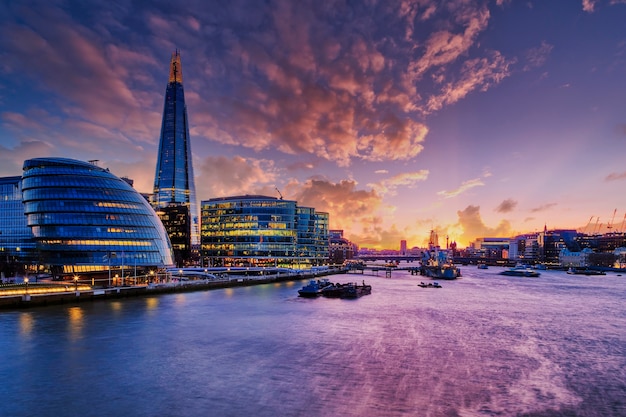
pixel 596 228
pixel 587 227
pixel 621 229
pixel 279 193
pixel 610 224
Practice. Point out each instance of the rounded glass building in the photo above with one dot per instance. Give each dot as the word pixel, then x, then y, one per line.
pixel 84 218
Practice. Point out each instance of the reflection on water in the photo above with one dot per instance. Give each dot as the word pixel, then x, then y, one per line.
pixel 152 303
pixel 484 345
pixel 25 324
pixel 75 322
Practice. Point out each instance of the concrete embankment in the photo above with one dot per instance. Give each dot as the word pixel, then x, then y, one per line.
pixel 74 297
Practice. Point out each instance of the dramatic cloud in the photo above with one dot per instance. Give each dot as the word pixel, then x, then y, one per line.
pixel 507 206
pixel 476 74
pixel 407 179
pixel 350 208
pixel 473 226
pixel 12 159
pixel 477 182
pixel 290 77
pixel 221 176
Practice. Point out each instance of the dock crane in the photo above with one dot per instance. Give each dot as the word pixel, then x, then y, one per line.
pixel 610 224
pixel 279 193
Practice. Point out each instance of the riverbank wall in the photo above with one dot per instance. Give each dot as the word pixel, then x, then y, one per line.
pixel 115 293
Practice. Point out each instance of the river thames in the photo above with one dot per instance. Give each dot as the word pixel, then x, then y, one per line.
pixel 483 345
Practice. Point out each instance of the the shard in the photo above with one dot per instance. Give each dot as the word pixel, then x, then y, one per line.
pixel 174 180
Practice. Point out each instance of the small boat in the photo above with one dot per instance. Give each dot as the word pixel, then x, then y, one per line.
pixel 585 271
pixel 429 285
pixel 332 291
pixel 353 290
pixel 520 271
pixel 482 266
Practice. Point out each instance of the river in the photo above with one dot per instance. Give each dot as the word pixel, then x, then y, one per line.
pixel 483 345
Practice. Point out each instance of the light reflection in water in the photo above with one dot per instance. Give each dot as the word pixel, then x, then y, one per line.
pixel 75 322
pixel 152 303
pixel 26 324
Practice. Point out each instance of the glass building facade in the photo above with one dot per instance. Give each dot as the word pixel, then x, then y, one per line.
pixel 17 246
pixel 262 231
pixel 174 178
pixel 83 218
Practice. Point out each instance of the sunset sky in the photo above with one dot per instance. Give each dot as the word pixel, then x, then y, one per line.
pixel 473 118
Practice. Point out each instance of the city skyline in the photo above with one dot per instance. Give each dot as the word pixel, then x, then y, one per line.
pixel 472 118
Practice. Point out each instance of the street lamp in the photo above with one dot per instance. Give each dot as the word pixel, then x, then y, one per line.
pixel 151 274
pixel 26 282
pixel 75 282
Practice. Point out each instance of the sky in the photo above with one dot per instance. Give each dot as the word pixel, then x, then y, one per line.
pixel 471 118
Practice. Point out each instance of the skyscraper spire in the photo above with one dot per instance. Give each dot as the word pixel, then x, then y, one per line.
pixel 176 70
pixel 174 179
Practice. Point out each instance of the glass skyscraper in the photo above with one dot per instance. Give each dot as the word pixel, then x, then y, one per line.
pixel 174 180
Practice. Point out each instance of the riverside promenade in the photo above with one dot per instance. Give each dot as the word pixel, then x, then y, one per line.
pixel 20 297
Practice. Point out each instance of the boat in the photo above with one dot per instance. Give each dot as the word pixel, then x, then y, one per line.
pixel 437 263
pixel 520 271
pixel 332 291
pixel 445 271
pixel 429 285
pixel 314 288
pixel 585 271
pixel 353 290
pixel 482 266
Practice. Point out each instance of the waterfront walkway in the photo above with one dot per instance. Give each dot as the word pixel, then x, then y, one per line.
pixel 23 296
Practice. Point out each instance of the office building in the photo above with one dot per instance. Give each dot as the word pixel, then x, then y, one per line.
pixel 174 178
pixel 256 230
pixel 85 219
pixel 17 246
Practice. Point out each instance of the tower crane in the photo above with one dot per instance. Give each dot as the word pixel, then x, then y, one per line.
pixel 279 193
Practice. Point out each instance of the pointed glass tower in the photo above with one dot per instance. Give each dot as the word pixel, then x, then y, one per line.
pixel 174 180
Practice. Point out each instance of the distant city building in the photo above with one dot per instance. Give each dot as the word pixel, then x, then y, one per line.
pixel 256 230
pixel 577 259
pixel 85 219
pixel 17 245
pixel 552 242
pixel 174 178
pixel 403 247
pixel 489 247
pixel 341 249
